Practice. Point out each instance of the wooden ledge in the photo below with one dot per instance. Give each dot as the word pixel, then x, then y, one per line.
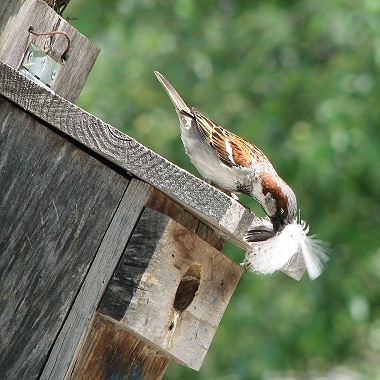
pixel 226 216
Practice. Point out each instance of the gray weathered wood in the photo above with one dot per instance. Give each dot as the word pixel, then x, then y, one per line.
pixel 110 352
pixel 170 288
pixel 51 196
pixel 160 202
pixel 139 251
pixel 228 217
pixel 15 19
pixel 8 9
pixel 98 276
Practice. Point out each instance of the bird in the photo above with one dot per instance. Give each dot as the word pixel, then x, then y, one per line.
pixel 231 163
pixel 234 165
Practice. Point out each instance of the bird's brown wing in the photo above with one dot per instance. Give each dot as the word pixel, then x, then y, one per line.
pixel 230 148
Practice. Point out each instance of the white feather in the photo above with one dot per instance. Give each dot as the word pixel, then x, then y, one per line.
pixel 276 253
pixel 229 151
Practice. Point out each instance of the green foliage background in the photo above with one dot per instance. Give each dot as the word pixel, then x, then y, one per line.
pixel 300 80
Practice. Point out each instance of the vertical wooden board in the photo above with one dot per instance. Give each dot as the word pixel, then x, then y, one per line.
pixel 102 268
pixel 56 202
pixel 110 352
pixel 139 251
pixel 8 9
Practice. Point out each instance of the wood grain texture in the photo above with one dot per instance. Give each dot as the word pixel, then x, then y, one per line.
pixel 160 202
pixel 15 19
pixel 225 215
pixel 56 203
pixel 95 283
pixel 162 265
pixel 110 352
pixel 138 253
pixel 8 10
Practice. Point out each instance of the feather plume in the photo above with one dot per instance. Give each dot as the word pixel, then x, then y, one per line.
pixel 279 251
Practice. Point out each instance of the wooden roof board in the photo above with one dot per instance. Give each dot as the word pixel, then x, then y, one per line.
pixel 225 215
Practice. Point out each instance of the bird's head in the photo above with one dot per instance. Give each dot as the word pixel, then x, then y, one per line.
pixel 286 209
pixel 280 202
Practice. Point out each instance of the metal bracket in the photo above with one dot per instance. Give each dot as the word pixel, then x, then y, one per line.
pixel 40 67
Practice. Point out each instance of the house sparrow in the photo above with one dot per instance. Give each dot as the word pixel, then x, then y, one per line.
pixel 234 165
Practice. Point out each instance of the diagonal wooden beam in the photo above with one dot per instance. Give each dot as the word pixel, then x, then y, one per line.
pixel 225 215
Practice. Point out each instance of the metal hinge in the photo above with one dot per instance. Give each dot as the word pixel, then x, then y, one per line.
pixel 40 67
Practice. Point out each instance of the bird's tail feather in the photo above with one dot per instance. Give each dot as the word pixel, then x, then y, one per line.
pixel 178 102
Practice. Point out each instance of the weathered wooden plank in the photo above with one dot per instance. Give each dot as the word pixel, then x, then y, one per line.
pixel 139 251
pixel 228 217
pixel 8 9
pixel 111 352
pixel 56 203
pixel 15 19
pixel 95 283
pixel 170 288
pixel 160 202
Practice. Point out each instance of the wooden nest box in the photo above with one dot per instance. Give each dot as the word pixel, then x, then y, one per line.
pixel 110 262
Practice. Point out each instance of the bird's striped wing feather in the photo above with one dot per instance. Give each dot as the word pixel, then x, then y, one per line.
pixel 231 149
